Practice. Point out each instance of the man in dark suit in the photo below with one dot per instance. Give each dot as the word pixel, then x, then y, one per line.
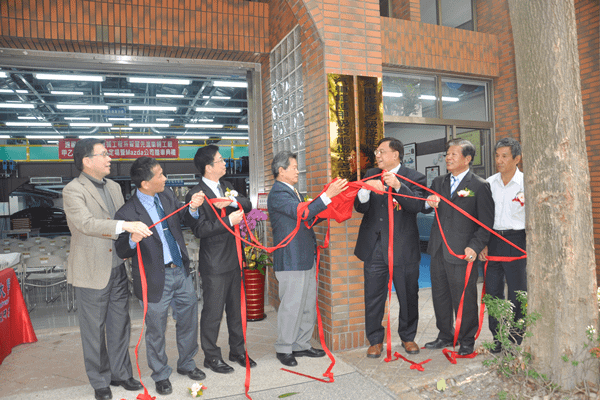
pixel 294 264
pixel 166 264
pixel 372 246
pixel 96 272
pixel 472 194
pixel 218 261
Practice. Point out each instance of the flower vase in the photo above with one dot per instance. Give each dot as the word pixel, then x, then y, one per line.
pixel 254 283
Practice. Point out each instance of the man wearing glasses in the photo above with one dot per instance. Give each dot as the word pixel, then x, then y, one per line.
pixel 218 261
pixel 96 272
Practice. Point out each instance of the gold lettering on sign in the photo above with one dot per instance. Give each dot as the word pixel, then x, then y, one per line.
pixel 370 120
pixel 342 128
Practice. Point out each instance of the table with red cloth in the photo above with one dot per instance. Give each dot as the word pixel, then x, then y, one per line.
pixel 15 325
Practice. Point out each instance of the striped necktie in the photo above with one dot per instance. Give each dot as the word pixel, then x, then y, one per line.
pixel 298 195
pixel 453 185
pixel 171 242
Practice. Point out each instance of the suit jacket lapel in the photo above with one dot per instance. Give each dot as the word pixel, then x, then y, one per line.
pixel 142 214
pixel 465 181
pixel 90 187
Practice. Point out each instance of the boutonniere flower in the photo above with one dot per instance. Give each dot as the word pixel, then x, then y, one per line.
pixel 197 389
pixel 309 199
pixel 397 205
pixel 466 193
pixel 231 194
pixel 520 198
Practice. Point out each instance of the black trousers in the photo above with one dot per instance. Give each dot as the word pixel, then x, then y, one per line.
pixel 406 282
pixel 514 273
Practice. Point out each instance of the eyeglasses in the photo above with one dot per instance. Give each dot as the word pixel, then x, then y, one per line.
pixel 378 152
pixel 221 160
pixel 103 154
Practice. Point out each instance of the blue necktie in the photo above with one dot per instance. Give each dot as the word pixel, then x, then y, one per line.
pixel 173 248
pixel 454 184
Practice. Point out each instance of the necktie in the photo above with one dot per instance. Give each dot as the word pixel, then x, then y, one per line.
pixel 220 191
pixel 173 248
pixel 298 195
pixel 453 185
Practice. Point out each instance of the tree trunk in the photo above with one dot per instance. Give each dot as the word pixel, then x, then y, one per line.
pixel 560 265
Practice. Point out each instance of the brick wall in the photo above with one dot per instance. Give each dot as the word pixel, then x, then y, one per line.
pixel 587 13
pixel 208 29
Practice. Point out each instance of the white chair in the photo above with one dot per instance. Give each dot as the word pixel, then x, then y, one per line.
pixel 45 271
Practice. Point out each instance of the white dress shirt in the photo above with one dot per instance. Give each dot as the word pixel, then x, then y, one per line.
pixel 326 200
pixel 364 194
pixel 509 212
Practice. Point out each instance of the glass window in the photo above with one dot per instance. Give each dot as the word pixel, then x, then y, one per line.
pixel 409 96
pixel 464 99
pixel 457 14
pixel 429 11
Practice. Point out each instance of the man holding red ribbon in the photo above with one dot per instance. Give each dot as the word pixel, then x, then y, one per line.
pixel 167 269
pixel 218 261
pixel 509 222
pixel 448 272
pixel 373 241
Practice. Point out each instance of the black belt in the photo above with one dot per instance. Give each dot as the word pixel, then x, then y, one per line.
pixel 509 231
pixel 171 265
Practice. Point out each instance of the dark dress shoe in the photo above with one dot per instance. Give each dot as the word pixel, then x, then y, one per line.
pixel 465 350
pixel 217 365
pixel 241 359
pixel 496 348
pixel 438 344
pixel 129 384
pixel 312 352
pixel 287 359
pixel 103 394
pixel 164 387
pixel 196 374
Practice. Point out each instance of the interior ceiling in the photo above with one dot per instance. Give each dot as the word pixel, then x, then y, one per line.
pixel 199 106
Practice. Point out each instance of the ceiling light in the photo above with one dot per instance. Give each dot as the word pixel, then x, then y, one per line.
pixel 179 96
pixel 120 119
pixel 218 109
pixel 63 77
pixel 235 137
pixel 77 118
pixel 16 105
pixel 21 91
pixel 165 119
pixel 44 136
pixel 150 125
pixel 217 97
pixel 80 107
pixel 159 81
pixel 5 136
pixel 28 124
pixel 66 92
pixel 121 129
pixel 392 94
pixel 30 117
pixel 242 126
pixel 216 126
pixel 201 120
pixel 427 97
pixel 146 137
pixel 230 84
pixel 91 124
pixel 119 94
pixel 452 99
pixel 6 91
pixel 152 108
pixel 96 137
pixel 3 74
pixel 191 137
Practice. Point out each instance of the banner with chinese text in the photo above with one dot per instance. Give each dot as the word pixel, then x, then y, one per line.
pixel 370 120
pixel 342 128
pixel 127 148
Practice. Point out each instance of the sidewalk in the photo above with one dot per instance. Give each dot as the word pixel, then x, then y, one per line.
pixel 53 368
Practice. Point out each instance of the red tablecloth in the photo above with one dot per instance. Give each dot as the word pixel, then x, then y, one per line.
pixel 15 325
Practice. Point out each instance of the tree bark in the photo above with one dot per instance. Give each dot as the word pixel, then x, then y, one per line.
pixel 561 268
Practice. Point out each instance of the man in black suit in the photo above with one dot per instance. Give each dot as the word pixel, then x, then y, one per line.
pixel 372 246
pixel 294 264
pixel 166 263
pixel 472 194
pixel 218 261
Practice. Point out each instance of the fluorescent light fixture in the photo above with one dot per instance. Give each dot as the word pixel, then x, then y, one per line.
pixel 166 119
pixel 146 137
pixel 66 92
pixel 52 141
pixel 192 137
pixel 80 107
pixel 230 84
pixel 6 91
pixel 235 137
pixel 427 97
pixel 160 81
pixel 113 94
pixel 96 137
pixel 451 99
pixel 5 136
pixel 16 105
pixel 216 126
pixel 3 74
pixel 44 136
pixel 178 96
pixel 28 124
pixel 217 97
pixel 218 109
pixel 242 126
pixel 152 108
pixel 392 94
pixel 30 117
pixel 78 118
pixel 150 125
pixel 64 77
pixel 121 129
pixel 91 124
pixel 201 120
pixel 120 119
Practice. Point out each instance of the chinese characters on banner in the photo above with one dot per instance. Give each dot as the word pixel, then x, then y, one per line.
pixel 370 120
pixel 342 135
pixel 127 148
